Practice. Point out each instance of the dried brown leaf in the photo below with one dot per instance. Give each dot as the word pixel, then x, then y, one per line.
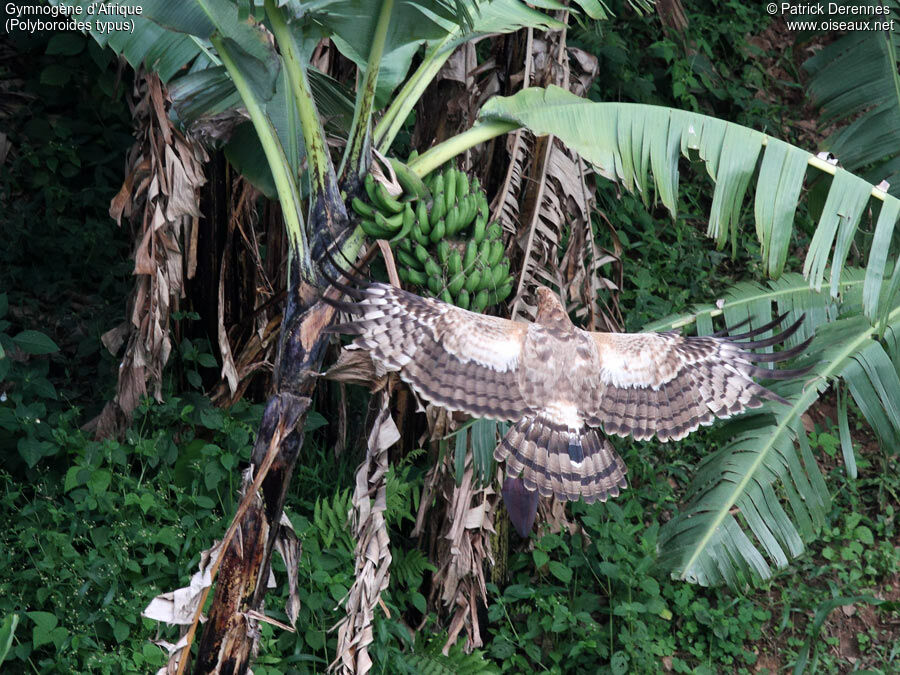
pixel 355 367
pixel 178 607
pixel 373 551
pixel 289 548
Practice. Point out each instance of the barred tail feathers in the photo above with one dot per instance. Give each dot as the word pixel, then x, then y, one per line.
pixel 560 462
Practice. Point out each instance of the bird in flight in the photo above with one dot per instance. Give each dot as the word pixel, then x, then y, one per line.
pixel 559 384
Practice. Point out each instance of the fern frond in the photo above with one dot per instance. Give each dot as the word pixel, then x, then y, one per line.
pixel 457 662
pixel 331 519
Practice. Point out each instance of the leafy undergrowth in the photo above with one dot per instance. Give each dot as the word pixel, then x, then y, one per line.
pixel 95 529
pixel 102 527
pixel 594 602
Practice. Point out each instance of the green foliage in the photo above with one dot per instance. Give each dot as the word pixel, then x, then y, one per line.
pixel 106 525
pixel 98 528
pixel 64 166
pixel 68 130
pixel 598 603
pixel 601 602
pixel 710 68
pixel 854 81
pixel 7 632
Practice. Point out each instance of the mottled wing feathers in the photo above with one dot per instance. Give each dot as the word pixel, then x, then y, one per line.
pixel 556 381
pixel 454 358
pixel 667 385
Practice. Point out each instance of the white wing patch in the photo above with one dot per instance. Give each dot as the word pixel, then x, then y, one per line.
pixel 490 341
pixel 638 360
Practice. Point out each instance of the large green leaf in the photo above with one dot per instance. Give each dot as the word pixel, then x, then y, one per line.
pixel 492 17
pixel 160 49
pixel 629 142
pixel 351 26
pixel 756 501
pixel 856 80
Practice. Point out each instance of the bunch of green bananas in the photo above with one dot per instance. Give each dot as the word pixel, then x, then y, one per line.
pixel 449 250
pixel 385 217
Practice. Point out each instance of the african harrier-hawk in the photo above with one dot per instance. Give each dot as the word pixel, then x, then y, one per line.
pixel 557 382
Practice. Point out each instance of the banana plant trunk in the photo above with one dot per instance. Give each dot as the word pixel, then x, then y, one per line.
pixel 230 636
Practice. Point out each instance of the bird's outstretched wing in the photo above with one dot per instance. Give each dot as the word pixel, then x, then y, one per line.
pixel 667 385
pixel 454 358
pixel 556 382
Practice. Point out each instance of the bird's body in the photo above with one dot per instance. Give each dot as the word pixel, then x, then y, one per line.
pixel 558 383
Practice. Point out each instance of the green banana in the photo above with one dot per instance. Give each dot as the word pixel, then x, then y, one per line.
pixel 451 220
pixel 469 258
pixel 484 251
pixel 471 210
pixel 480 301
pixel 462 185
pixel 391 223
pixel 416 277
pixel 422 217
pixel 384 200
pixel 374 230
pixel 483 206
pixel 487 280
pixel 499 295
pixel 462 299
pixel 409 218
pixel 405 245
pixel 421 253
pixel 438 231
pixel 459 215
pixel 496 253
pixel 435 284
pixel 454 264
pixel 499 273
pixel 369 184
pixel 446 297
pixel 438 208
pixel 443 251
pixel 409 180
pixel 467 210
pixel 408 260
pixel 362 208
pixel 494 231
pixel 432 269
pixel 456 283
pixel 473 281
pixel 418 235
pixel 403 273
pixel 478 232
pixel 449 189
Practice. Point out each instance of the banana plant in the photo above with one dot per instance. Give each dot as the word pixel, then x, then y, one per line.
pixel 856 82
pixel 218 54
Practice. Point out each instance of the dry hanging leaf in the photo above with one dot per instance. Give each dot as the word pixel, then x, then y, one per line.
pixel 178 607
pixel 159 194
pixel 373 552
pixel 288 546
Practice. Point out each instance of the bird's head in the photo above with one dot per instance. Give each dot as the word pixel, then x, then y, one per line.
pixel 549 307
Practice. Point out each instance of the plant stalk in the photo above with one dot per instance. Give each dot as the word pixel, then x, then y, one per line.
pixel 481 132
pixel 288 196
pixel 390 123
pixel 365 99
pixel 313 134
